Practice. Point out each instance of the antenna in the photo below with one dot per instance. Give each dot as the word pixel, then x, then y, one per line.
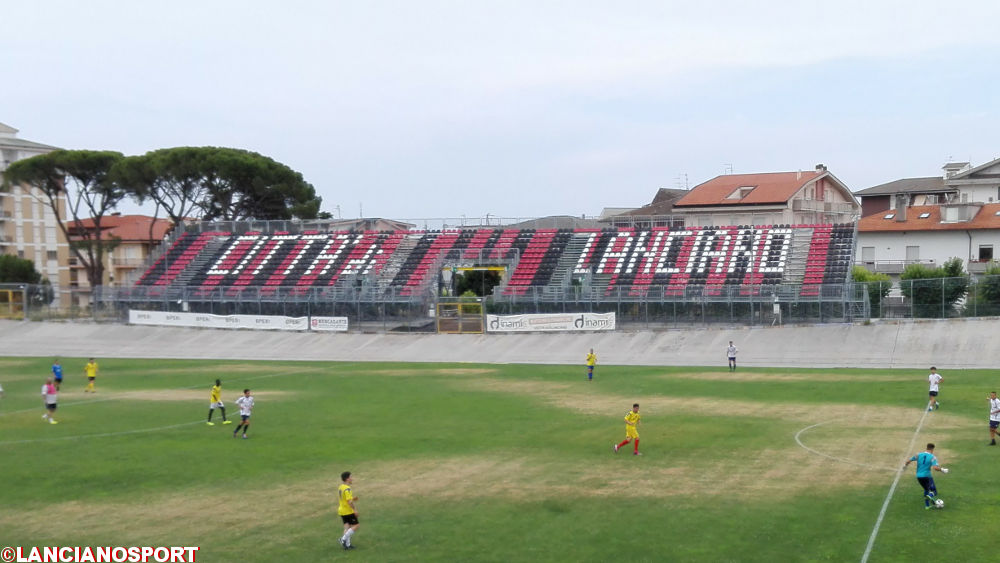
pixel 681 181
pixel 727 168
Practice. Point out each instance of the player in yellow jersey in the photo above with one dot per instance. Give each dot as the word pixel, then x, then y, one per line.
pixel 215 401
pixel 347 510
pixel 591 360
pixel 631 429
pixel 91 370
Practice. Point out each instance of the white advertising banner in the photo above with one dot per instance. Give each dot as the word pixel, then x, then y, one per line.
pixel 575 322
pixel 338 324
pixel 205 320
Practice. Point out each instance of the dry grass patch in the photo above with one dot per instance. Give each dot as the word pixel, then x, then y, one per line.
pixel 821 377
pixel 220 370
pixel 567 395
pixel 165 394
pixel 197 514
pixel 430 371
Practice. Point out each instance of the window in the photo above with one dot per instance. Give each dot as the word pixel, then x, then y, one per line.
pixel 924 215
pixel 912 253
pixel 52 255
pixel 889 216
pixel 867 253
pixel 985 252
pixel 740 192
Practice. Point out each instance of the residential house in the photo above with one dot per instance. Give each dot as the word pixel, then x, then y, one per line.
pixel 130 240
pixel 28 226
pixel 930 234
pixel 798 198
pixel 657 213
pixel 930 220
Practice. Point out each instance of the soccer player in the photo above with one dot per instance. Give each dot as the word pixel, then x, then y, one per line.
pixel 731 354
pixel 925 463
pixel 934 378
pixel 246 407
pixel 57 374
pixel 591 360
pixel 347 510
pixel 631 429
pixel 91 370
pixel 215 401
pixel 994 417
pixel 49 394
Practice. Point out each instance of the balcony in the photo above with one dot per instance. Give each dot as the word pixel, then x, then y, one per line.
pixel 821 206
pixel 127 262
pixel 980 266
pixel 891 266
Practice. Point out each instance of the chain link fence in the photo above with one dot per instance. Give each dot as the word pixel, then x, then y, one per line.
pixel 655 309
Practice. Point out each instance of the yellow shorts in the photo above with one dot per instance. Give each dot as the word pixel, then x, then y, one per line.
pixel 631 432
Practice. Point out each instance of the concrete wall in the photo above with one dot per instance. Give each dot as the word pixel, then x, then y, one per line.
pixel 961 343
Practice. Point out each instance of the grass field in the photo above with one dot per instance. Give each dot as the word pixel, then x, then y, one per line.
pixel 497 462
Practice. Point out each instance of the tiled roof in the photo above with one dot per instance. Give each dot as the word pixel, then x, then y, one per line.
pixel 662 204
pixel 125 227
pixel 773 187
pixel 907 185
pixel 986 218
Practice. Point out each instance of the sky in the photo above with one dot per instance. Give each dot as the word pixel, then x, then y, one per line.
pixel 513 108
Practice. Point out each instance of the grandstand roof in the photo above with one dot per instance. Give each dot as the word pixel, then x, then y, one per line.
pixel 770 187
pixel 886 221
pixel 125 227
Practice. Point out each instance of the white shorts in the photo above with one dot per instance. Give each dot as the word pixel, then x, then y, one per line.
pixel 218 405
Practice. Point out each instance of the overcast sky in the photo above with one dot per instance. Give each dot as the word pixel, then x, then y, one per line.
pixel 420 109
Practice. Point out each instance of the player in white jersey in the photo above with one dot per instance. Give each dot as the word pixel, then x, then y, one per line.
pixel 731 354
pixel 994 417
pixel 246 408
pixel 49 394
pixel 934 378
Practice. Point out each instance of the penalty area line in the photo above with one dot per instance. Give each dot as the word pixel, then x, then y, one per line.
pixel 101 435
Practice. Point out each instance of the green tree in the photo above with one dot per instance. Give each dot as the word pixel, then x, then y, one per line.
pixel 217 183
pixel 479 282
pixel 879 286
pixel 77 183
pixel 18 270
pixel 986 300
pixel 934 292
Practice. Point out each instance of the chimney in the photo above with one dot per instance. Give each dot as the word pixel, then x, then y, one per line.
pixel 821 168
pixel 902 200
pixel 952 168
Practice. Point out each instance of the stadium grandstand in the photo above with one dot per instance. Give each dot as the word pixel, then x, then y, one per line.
pixel 295 268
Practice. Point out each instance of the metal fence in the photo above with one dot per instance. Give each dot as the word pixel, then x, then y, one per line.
pixel 656 308
pixel 936 298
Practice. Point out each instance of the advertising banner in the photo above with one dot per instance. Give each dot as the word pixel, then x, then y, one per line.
pixel 573 322
pixel 205 320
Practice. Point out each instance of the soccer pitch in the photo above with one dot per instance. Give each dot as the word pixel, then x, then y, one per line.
pixel 497 462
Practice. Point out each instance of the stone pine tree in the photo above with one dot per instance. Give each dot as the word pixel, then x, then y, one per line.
pixel 217 183
pixel 80 178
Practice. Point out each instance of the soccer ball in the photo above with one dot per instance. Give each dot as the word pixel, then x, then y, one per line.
pixel 939 503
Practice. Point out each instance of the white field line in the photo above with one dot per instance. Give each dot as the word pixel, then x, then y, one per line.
pixel 40 408
pixel 103 435
pixel 892 490
pixel 834 458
